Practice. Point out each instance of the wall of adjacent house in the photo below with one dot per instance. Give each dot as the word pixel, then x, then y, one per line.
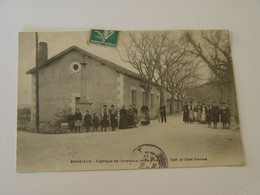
pixel 132 84
pixel 208 93
pixel 59 86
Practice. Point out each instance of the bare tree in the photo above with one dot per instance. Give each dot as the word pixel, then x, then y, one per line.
pixel 213 47
pixel 182 77
pixel 141 55
pixel 171 53
pixel 153 54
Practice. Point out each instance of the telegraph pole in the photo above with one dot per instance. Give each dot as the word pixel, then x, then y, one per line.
pixel 37 123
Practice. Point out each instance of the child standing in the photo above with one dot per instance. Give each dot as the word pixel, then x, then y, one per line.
pixel 113 117
pixel 95 122
pixel 142 118
pixel 104 118
pixel 87 121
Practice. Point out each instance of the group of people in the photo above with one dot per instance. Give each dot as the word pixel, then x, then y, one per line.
pixel 125 118
pixel 206 114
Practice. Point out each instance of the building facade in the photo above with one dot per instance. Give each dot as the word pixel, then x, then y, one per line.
pixel 209 92
pixel 76 78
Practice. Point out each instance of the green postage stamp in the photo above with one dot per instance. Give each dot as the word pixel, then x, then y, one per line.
pixel 104 37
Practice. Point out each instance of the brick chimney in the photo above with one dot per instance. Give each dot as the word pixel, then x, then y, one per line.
pixel 43 53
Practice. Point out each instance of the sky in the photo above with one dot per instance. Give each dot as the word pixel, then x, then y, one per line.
pixel 57 42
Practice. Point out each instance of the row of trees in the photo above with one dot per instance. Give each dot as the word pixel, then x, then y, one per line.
pixel 172 61
pixel 214 49
pixel 162 61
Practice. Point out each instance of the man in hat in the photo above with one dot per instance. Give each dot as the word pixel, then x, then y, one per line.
pixel 77 120
pixel 163 113
pixel 225 116
pixel 113 115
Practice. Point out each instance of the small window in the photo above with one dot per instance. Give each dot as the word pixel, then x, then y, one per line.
pixel 143 98
pixel 152 100
pixel 134 97
pixel 77 99
pixel 158 100
pixel 75 67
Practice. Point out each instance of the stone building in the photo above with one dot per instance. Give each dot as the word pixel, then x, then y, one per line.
pixel 76 78
pixel 209 92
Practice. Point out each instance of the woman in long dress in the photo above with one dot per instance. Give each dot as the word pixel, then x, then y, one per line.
pixel 135 114
pixel 142 118
pixel 199 112
pixel 130 117
pixel 123 123
pixel 145 110
pixel 203 114
pixel 185 112
pixel 191 113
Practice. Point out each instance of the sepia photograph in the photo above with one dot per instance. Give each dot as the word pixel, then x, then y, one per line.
pixel 114 100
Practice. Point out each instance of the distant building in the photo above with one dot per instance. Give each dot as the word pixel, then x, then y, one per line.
pixel 208 92
pixel 76 78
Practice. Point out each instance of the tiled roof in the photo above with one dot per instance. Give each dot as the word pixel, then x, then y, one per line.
pixel 99 59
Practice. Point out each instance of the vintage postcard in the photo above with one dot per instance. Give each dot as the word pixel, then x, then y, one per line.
pixel 108 99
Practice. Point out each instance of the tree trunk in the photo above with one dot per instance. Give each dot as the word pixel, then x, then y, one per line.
pixel 147 97
pixel 172 104
pixel 162 97
pixel 181 105
pixel 162 91
pixel 232 102
pixel 178 103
